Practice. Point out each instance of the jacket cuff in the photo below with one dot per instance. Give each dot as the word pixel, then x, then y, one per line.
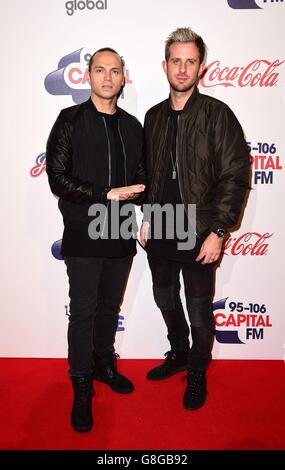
pixel 138 201
pixel 99 194
pixel 216 226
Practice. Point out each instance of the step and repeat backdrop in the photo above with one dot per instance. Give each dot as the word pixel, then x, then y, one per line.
pixel 46 46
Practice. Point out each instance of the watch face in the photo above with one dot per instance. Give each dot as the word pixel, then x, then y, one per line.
pixel 220 232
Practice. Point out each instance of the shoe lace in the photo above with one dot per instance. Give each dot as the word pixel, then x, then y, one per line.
pixel 112 371
pixel 83 391
pixel 170 355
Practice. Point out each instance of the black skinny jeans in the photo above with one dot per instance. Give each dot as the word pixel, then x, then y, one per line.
pixel 96 292
pixel 198 286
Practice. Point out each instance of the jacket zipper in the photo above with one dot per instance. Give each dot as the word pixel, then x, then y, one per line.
pixel 109 149
pixel 176 145
pixel 124 152
pixel 165 137
pixel 125 163
pixel 110 172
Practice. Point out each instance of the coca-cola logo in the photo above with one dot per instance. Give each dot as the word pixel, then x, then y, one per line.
pixel 40 165
pixel 259 72
pixel 249 243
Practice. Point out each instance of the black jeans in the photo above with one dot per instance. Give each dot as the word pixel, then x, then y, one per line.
pixel 96 292
pixel 198 286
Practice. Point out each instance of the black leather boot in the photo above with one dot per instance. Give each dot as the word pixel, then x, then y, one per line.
pixel 81 414
pixel 196 390
pixel 174 362
pixel 105 370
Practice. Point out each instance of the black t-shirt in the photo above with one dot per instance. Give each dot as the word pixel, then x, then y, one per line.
pixel 171 191
pixel 165 247
pixel 117 153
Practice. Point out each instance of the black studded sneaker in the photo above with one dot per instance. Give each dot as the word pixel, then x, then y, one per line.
pixel 175 361
pixel 81 414
pixel 196 390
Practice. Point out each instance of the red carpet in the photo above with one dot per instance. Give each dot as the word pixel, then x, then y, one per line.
pixel 244 409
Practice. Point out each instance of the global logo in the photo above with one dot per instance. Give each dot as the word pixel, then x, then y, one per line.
pixel 71 77
pixel 252 4
pixel 240 322
pixel 40 165
pixel 75 5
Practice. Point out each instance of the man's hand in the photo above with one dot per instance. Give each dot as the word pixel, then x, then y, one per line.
pixel 126 193
pixel 211 249
pixel 144 233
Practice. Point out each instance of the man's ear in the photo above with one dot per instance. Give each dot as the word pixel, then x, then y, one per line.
pixel 201 70
pixel 88 78
pixel 164 66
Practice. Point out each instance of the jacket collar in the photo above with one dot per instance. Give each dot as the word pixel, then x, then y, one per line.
pixel 93 107
pixel 189 103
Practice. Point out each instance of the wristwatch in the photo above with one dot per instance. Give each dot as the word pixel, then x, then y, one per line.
pixel 220 232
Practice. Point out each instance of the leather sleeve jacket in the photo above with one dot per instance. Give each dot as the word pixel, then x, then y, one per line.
pixel 63 149
pixel 212 156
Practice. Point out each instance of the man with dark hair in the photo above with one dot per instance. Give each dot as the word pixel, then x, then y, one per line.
pixel 94 155
pixel 105 49
pixel 196 155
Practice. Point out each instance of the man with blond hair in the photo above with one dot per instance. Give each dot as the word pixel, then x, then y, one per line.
pixel 196 155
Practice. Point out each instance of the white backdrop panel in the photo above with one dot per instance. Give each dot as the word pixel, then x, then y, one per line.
pixel 250 283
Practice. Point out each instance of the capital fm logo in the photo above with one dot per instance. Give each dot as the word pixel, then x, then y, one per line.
pixel 258 73
pixel 266 162
pixel 238 322
pixel 121 318
pixel 56 250
pixel 40 165
pixel 248 244
pixel 252 4
pixel 71 77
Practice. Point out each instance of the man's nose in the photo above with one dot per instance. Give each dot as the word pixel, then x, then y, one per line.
pixel 108 75
pixel 182 67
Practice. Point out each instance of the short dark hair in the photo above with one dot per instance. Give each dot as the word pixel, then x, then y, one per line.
pixel 106 49
pixel 184 35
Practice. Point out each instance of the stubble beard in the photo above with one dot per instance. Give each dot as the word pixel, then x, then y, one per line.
pixel 182 89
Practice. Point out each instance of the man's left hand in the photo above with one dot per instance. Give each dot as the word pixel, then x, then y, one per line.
pixel 211 249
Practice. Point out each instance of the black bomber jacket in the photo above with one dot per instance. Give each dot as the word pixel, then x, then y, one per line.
pixel 63 155
pixel 212 156
pixel 81 169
